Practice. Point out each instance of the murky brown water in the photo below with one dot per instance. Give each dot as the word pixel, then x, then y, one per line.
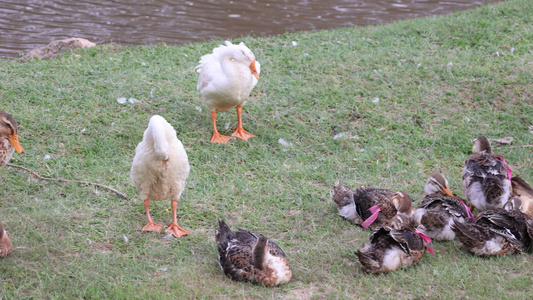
pixel 28 24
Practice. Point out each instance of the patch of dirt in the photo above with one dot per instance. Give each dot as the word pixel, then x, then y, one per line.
pixel 105 247
pixel 303 293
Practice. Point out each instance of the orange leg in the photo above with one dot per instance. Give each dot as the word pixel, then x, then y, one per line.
pixel 217 137
pixel 151 225
pixel 173 227
pixel 239 131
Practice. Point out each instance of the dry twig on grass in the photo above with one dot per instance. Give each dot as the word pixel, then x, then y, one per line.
pixel 121 194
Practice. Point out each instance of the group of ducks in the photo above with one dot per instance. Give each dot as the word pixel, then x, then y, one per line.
pixel 402 233
pixel 160 166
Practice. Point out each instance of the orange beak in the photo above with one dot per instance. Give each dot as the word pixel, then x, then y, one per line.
pixel 14 139
pixel 254 70
pixel 447 191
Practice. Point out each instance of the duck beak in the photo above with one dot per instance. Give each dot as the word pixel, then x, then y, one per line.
pixel 447 191
pixel 254 70
pixel 14 139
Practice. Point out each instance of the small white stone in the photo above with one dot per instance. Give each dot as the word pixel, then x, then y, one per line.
pixel 339 135
pixel 284 143
pixel 450 64
pixel 294 43
pixel 125 238
pixel 47 157
pixel 122 100
pixel 376 100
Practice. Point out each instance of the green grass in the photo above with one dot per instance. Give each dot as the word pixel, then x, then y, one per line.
pixel 69 242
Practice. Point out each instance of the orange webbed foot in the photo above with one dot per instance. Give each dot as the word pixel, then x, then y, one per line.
pixel 176 231
pixel 242 134
pixel 219 138
pixel 152 226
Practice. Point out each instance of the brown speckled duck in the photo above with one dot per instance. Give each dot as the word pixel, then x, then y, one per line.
pixel 440 209
pixel 486 177
pixel 523 191
pixel 9 141
pixel 370 207
pixel 5 245
pixel 244 256
pixel 497 232
pixel 392 247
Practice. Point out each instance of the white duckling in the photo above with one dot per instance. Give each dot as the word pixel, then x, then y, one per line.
pixel 227 76
pixel 159 170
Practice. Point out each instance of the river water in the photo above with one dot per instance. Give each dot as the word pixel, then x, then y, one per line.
pixel 28 24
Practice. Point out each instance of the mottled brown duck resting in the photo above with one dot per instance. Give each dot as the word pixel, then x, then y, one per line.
pixel 244 256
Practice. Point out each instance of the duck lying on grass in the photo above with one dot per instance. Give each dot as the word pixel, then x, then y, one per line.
pixel 497 232
pixel 522 190
pixel 370 207
pixel 9 141
pixel 159 170
pixel 5 245
pixel 244 256
pixel 440 209
pixel 486 177
pixel 227 76
pixel 392 247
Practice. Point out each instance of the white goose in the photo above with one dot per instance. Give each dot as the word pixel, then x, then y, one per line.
pixel 227 76
pixel 159 170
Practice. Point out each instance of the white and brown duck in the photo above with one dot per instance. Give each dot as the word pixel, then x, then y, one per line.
pixel 370 207
pixel 486 177
pixel 497 232
pixel 439 210
pixel 5 245
pixel 522 190
pixel 392 247
pixel 9 141
pixel 245 256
